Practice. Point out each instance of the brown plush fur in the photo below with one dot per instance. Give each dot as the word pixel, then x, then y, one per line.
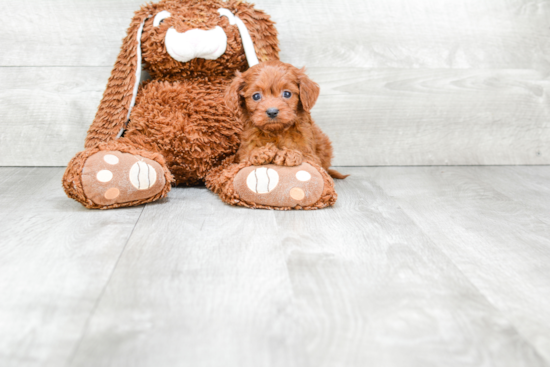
pixel 180 114
pixel 291 136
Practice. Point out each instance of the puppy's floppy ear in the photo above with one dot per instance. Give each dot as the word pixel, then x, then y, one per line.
pixel 233 94
pixel 120 94
pixel 309 90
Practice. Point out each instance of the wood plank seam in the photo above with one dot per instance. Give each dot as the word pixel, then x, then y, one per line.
pixel 98 300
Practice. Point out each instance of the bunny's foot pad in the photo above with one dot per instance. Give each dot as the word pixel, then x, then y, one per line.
pixel 112 177
pixel 279 186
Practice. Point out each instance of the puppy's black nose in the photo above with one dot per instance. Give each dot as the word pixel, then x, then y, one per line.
pixel 272 112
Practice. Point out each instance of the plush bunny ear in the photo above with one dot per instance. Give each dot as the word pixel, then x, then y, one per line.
pixel 248 44
pixel 309 90
pixel 233 95
pixel 120 95
pixel 260 27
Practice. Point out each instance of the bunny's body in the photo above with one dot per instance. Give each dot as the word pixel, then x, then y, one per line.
pixel 166 120
pixel 174 128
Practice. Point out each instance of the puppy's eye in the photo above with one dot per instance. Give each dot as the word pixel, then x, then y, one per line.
pixel 287 94
pixel 256 96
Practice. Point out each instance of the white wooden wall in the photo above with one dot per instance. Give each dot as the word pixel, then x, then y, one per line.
pixel 404 82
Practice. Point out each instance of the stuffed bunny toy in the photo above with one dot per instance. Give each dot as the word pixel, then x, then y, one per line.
pixel 175 127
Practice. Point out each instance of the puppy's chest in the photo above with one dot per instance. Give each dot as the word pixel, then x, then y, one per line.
pixel 291 139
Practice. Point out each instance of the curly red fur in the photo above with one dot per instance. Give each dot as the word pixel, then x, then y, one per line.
pixel 290 137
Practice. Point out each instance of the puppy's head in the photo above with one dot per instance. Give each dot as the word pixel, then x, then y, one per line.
pixel 272 95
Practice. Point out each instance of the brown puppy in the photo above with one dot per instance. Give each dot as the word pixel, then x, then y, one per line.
pixel 274 100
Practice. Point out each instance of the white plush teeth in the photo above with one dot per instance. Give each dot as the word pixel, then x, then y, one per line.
pixel 196 43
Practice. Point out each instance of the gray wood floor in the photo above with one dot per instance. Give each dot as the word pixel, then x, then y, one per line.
pixel 417 266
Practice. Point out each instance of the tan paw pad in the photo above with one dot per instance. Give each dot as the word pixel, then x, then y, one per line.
pixel 111 159
pixel 297 194
pixel 112 193
pixel 279 186
pixel 111 177
pixel 104 175
pixel 303 176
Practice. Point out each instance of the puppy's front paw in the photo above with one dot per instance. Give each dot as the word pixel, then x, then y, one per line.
pixel 288 157
pixel 263 155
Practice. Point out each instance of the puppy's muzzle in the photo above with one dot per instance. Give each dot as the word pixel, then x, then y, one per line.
pixel 272 112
